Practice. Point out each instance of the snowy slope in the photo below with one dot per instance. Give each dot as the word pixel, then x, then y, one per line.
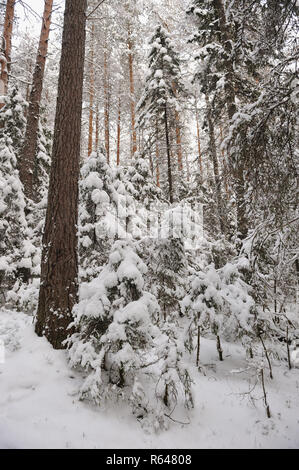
pixel 39 406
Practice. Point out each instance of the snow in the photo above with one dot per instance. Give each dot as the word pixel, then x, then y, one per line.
pixel 39 406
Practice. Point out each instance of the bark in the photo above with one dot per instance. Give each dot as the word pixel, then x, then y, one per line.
pixel 168 150
pixel 224 163
pixel 3 77
pixel 265 395
pixel 198 141
pixel 28 154
pixel 219 349
pixel 107 107
pixel 178 134
pixel 118 131
pixel 59 269
pixel 217 179
pixel 91 93
pixel 97 128
pixel 178 141
pixel 157 156
pixel 198 346
pixel 267 357
pixel 7 35
pixel 132 95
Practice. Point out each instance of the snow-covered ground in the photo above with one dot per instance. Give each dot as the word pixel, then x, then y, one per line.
pixel 39 407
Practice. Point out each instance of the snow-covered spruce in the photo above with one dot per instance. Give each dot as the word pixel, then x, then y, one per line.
pixel 120 345
pixel 18 256
pixel 219 301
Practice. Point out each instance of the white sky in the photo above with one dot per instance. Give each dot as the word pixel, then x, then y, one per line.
pixel 28 20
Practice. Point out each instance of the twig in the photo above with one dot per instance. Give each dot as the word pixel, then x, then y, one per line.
pixel 102 1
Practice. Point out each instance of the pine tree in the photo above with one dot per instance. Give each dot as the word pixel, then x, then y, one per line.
pixel 118 334
pixel 29 151
pixel 12 118
pixel 16 250
pixel 59 267
pixel 97 214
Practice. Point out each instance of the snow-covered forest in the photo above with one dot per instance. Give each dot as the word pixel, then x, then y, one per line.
pixel 149 269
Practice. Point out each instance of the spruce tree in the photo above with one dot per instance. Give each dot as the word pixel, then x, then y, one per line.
pixel 161 98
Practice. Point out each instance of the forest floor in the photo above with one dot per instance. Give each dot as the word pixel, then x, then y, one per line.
pixel 39 406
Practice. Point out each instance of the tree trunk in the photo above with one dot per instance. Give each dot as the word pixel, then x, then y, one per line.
pixel 219 349
pixel 198 140
pixel 157 156
pixel 118 132
pixel 178 141
pixel 198 346
pixel 213 150
pixel 178 134
pixel 132 96
pixel 97 128
pixel 91 93
pixel 107 107
pixel 59 268
pixel 28 154
pixel 169 172
pixel 224 163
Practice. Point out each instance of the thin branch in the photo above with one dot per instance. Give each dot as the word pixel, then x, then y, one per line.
pixel 102 1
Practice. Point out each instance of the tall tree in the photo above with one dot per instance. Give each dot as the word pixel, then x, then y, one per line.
pixel 132 94
pixel 161 98
pixel 221 64
pixel 91 92
pixel 5 54
pixel 27 160
pixel 59 267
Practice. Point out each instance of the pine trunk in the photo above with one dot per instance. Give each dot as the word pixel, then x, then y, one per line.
pixel 132 96
pixel 224 163
pixel 118 132
pixel 28 155
pixel 107 108
pixel 169 171
pixel 213 150
pixel 178 134
pixel 97 128
pixel 7 35
pixel 198 141
pixel 157 156
pixel 59 269
pixel 91 93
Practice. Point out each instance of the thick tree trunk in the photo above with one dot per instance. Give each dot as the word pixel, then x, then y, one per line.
pixel 91 93
pixel 28 155
pixel 132 96
pixel 169 171
pixel 107 107
pixel 59 269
